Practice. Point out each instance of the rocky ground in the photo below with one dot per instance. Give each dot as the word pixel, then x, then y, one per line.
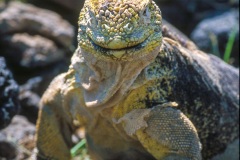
pixel 38 37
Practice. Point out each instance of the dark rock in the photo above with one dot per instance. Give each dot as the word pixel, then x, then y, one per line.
pixel 31 37
pixel 30 101
pixel 37 45
pixel 32 51
pixel 173 33
pixel 67 10
pixel 9 104
pixel 174 13
pixel 17 140
pixel 7 150
pixel 215 31
pixel 18 129
pixel 24 18
pixel 207 20
pixel 29 98
pixel 70 4
pixel 185 14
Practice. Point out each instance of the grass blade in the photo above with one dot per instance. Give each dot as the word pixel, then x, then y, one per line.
pixel 77 147
pixel 229 46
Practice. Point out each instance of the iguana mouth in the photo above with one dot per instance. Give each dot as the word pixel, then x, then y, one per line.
pixel 139 45
pixel 127 53
pixel 117 41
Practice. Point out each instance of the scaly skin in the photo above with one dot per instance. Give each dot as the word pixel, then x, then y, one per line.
pixel 139 96
pixel 120 30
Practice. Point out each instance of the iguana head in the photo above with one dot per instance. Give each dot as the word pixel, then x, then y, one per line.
pixel 120 29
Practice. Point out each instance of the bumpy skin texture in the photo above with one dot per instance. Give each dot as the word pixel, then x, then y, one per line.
pixel 139 96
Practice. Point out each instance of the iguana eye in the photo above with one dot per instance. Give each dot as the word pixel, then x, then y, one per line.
pixel 146 15
pixel 145 11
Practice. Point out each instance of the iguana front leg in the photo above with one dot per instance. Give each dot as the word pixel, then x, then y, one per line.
pixel 54 128
pixel 165 132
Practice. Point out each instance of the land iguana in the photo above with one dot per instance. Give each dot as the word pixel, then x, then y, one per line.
pixel 139 95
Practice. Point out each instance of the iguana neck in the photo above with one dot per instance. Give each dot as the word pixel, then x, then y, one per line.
pixel 105 83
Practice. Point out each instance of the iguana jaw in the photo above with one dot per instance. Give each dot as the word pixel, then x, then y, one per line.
pixel 133 38
pixel 125 54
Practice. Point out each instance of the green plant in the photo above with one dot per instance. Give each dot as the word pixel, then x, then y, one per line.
pixel 78 148
pixel 229 45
